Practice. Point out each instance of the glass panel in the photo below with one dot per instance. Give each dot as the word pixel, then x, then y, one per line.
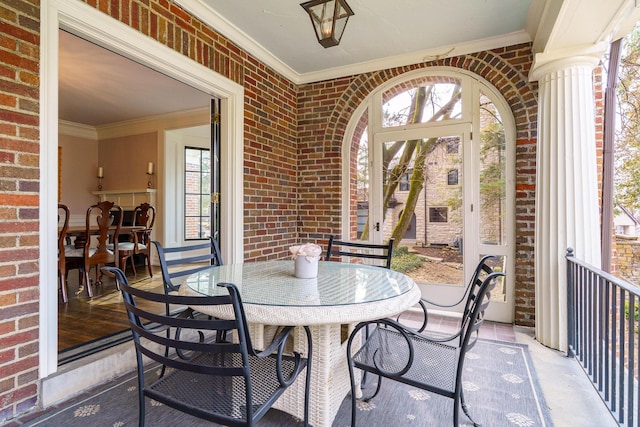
pixel 429 99
pixel 499 293
pixel 197 193
pixel 359 182
pixel 492 214
pixel 428 214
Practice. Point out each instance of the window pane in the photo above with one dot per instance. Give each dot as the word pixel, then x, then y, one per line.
pixel 492 175
pixel 429 99
pixel 197 189
pixel 359 182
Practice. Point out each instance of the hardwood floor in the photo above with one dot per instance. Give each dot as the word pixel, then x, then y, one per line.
pixel 85 323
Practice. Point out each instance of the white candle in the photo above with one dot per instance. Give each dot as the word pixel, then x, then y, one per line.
pixel 100 172
pixel 150 168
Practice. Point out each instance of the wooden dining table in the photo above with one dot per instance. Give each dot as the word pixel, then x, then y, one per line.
pixel 342 295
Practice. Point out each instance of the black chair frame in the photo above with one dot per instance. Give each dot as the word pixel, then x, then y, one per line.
pixel 340 248
pixel 227 382
pixel 213 257
pixel 402 354
pixel 482 267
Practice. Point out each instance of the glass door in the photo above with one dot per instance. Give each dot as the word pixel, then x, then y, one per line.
pixel 215 169
pixel 424 193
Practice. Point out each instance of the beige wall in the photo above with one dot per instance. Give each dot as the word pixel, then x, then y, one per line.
pixel 79 171
pixel 125 161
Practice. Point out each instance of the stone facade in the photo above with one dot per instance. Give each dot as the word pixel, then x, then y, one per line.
pixel 627 252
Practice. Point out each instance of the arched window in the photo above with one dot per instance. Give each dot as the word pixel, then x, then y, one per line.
pixel 437 147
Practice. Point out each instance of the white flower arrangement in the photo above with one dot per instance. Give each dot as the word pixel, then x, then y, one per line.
pixel 310 251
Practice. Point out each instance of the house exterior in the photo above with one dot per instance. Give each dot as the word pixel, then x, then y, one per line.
pixel 625 223
pixel 290 138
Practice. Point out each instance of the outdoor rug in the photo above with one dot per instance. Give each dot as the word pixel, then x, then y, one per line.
pixel 500 387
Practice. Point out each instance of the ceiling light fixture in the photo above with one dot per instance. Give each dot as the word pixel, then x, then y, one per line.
pixel 329 18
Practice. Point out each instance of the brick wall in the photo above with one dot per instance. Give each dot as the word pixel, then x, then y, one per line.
pixel 19 173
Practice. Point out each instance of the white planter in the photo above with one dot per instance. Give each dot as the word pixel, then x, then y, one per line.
pixel 306 267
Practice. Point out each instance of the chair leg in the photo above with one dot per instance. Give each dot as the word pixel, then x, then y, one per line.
pixel 464 409
pixel 63 285
pixel 87 282
pixel 133 265
pixel 148 261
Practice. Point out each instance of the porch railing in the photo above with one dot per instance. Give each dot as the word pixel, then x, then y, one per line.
pixel 602 324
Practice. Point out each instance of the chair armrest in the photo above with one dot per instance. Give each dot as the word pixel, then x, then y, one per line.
pixel 279 343
pixel 383 324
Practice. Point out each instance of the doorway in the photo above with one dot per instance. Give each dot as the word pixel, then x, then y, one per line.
pixel 98 28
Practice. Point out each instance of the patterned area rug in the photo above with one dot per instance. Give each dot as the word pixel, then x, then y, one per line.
pixel 500 386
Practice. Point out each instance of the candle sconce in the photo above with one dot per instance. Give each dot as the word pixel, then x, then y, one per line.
pixel 150 174
pixel 100 176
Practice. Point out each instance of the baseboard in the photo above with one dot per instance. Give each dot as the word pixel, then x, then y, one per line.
pixel 83 374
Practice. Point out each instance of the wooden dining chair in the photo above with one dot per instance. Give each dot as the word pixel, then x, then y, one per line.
pixel 63 225
pixel 102 226
pixel 144 215
pixel 379 254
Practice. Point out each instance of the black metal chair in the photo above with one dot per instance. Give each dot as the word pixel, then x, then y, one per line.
pixel 341 248
pixel 226 382
pixel 431 363
pixel 187 260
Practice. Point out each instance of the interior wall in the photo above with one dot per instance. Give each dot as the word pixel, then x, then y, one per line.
pixel 124 160
pixel 79 171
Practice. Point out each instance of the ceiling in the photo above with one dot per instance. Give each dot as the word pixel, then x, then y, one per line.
pixel 98 87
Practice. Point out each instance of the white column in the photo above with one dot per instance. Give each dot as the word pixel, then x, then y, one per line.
pixel 567 212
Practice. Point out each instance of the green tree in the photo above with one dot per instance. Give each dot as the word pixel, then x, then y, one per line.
pixel 421 98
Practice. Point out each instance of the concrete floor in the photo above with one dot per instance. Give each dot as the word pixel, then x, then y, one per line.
pixel 570 396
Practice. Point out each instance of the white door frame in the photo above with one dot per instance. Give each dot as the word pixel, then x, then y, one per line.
pixel 91 24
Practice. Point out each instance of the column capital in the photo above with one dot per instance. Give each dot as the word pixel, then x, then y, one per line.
pixel 548 62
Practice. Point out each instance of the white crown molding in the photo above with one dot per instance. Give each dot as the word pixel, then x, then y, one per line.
pixel 174 120
pixel 78 130
pixel 219 23
pixel 417 57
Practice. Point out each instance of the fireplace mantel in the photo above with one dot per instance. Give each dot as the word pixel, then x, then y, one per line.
pixel 128 199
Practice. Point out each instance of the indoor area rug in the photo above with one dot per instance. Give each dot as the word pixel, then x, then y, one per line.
pixel 499 381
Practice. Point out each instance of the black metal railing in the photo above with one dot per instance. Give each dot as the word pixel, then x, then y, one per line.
pixel 602 322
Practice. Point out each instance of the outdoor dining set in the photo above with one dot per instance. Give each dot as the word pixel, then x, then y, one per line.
pixel 235 340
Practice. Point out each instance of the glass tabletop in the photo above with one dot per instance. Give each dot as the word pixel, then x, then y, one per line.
pixel 273 283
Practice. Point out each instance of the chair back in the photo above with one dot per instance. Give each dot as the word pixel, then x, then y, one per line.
pixel 483 269
pixel 477 302
pixel 103 222
pixel 63 226
pixel 144 215
pixel 149 323
pixel 178 262
pixel 381 254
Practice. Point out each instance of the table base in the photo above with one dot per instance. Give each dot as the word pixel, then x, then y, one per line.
pixel 329 371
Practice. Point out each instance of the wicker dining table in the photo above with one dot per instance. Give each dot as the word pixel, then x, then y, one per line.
pixel 342 295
